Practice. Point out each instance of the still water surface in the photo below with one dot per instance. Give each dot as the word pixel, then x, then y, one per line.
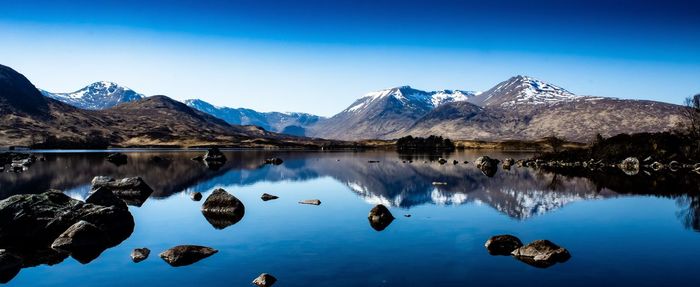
pixel 618 233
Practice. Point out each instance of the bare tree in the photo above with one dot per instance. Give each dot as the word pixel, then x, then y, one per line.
pixel 691 116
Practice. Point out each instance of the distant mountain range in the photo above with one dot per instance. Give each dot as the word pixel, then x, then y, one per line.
pixel 28 118
pixel 520 108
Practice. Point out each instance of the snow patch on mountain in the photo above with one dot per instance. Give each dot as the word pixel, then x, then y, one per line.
pixel 97 96
pixel 406 94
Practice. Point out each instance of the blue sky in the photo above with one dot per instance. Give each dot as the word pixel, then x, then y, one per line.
pixel 318 56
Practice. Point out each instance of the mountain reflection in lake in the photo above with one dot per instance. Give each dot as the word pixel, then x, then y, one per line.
pixel 612 225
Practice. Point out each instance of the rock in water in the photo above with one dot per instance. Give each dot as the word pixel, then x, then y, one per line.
pixel 222 209
pixel 140 254
pixel 508 162
pixel 196 196
pixel 10 265
pixel 105 197
pixel 132 190
pixel 274 161
pixel 502 244
pixel 380 217
pixel 183 255
pixel 541 253
pixel 214 155
pixel 266 197
pixel 442 161
pixel 487 165
pixel 630 166
pixel 264 280
pixel 311 202
pixel 117 158
pixel 83 240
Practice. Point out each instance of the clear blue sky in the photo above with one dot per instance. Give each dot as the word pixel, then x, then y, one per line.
pixel 318 56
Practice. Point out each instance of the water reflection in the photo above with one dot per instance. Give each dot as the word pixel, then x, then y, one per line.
pixel 396 180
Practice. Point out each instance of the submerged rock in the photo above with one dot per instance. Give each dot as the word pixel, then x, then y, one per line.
pixel 274 161
pixel 266 197
pixel 630 166
pixel 140 254
pixel 264 280
pixel 541 253
pixel 183 255
pixel 311 202
pixel 487 165
pixel 380 217
pixel 221 209
pixel 132 190
pixel 117 158
pixel 502 244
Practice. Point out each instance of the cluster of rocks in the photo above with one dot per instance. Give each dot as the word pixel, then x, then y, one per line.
pixel 17 162
pixel 630 165
pixel 538 253
pixel 46 228
pixel 273 161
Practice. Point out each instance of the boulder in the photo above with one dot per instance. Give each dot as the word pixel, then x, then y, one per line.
pixel 140 254
pixel 380 217
pixel 83 240
pixel 311 202
pixel 455 162
pixel 442 160
pixel 630 166
pixel 105 197
pixel 502 244
pixel 487 165
pixel 183 255
pixel 508 162
pixel 266 197
pixel 274 161
pixel 541 253
pixel 196 196
pixel 117 158
pixel 221 209
pixel 10 265
pixel 132 190
pixel 214 155
pixel 264 280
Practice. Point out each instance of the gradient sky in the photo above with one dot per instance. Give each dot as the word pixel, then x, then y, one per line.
pixel 319 56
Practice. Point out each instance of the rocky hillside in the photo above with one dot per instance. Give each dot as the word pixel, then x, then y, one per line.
pixel 27 118
pixel 520 108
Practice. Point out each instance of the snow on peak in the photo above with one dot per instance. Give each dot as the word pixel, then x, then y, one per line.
pixel 407 94
pixel 533 91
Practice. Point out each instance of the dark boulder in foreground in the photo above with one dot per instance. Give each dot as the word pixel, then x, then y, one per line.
pixel 83 240
pixel 541 253
pixel 10 265
pixel 117 158
pixel 140 254
pixel 266 197
pixel 132 190
pixel 221 209
pixel 487 165
pixel 183 255
pixel 502 244
pixel 380 217
pixel 274 161
pixel 264 280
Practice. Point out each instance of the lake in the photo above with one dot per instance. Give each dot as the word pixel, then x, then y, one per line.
pixel 620 230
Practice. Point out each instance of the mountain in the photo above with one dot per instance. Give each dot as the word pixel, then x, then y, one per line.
pixel 520 108
pixel 29 119
pixel 287 123
pixel 96 96
pixel 381 113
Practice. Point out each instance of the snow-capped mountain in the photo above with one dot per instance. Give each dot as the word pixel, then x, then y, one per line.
pixel 523 90
pixel 287 123
pixel 411 97
pixel 97 96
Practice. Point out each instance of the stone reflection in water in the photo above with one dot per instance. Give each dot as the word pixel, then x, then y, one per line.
pixel 689 215
pixel 221 209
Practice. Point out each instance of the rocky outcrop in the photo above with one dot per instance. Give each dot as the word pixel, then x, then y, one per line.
pixel 105 197
pixel 264 280
pixel 502 244
pixel 132 190
pixel 380 217
pixel 541 253
pixel 221 209
pixel 183 255
pixel 140 254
